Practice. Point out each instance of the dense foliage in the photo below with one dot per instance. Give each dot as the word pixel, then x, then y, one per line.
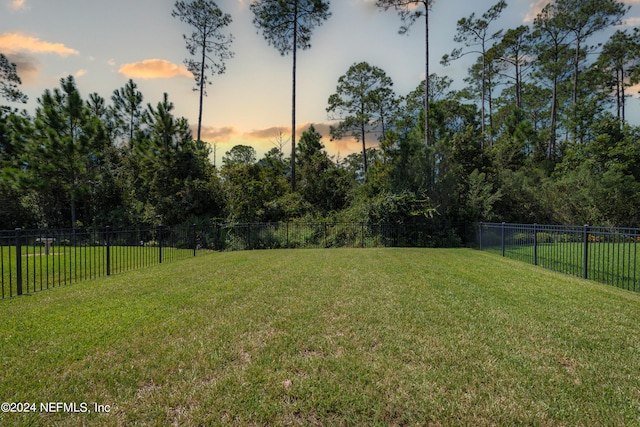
pixel 539 134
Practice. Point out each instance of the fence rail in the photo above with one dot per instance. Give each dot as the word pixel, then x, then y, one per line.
pixel 34 260
pixel 604 254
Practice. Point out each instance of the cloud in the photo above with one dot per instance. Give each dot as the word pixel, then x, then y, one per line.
pixel 18 5
pixel 265 139
pixel 154 69
pixel 367 6
pixel 27 66
pixel 18 42
pixel 322 128
pixel 213 134
pixel 20 49
pixel 81 73
pixel 631 22
pixel 273 132
pixel 268 133
pixel 535 7
pixel 344 146
pixel 349 145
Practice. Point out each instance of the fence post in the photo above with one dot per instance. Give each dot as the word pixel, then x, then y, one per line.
pixel 535 244
pixel 480 234
pixel 18 261
pixel 585 266
pixel 195 239
pixel 362 232
pixel 160 227
pixel 502 232
pixel 108 243
pixel 325 235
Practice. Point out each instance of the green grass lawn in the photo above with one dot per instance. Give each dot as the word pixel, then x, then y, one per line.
pixel 327 337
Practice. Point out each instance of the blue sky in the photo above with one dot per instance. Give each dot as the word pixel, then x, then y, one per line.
pixel 103 43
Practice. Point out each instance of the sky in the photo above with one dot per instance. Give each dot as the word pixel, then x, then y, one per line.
pixel 104 43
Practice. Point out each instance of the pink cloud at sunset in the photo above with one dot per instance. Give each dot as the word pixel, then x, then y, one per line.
pixel 264 139
pixel 536 6
pixel 18 4
pixel 18 42
pixel 154 69
pixel 214 134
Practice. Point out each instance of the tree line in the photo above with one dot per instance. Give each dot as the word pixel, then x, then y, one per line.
pixel 539 134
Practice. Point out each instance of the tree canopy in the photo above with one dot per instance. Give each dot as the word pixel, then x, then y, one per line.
pixel 561 148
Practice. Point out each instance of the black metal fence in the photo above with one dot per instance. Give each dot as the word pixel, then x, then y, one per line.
pixel 233 237
pixel 34 260
pixel 607 255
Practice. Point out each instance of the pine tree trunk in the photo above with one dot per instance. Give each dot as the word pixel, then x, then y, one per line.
pixel 364 150
pixel 427 137
pixel 482 106
pixel 293 100
pixel 622 97
pixel 201 87
pixel 518 83
pixel 554 108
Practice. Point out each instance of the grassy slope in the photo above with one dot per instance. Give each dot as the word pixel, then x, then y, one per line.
pixel 328 337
